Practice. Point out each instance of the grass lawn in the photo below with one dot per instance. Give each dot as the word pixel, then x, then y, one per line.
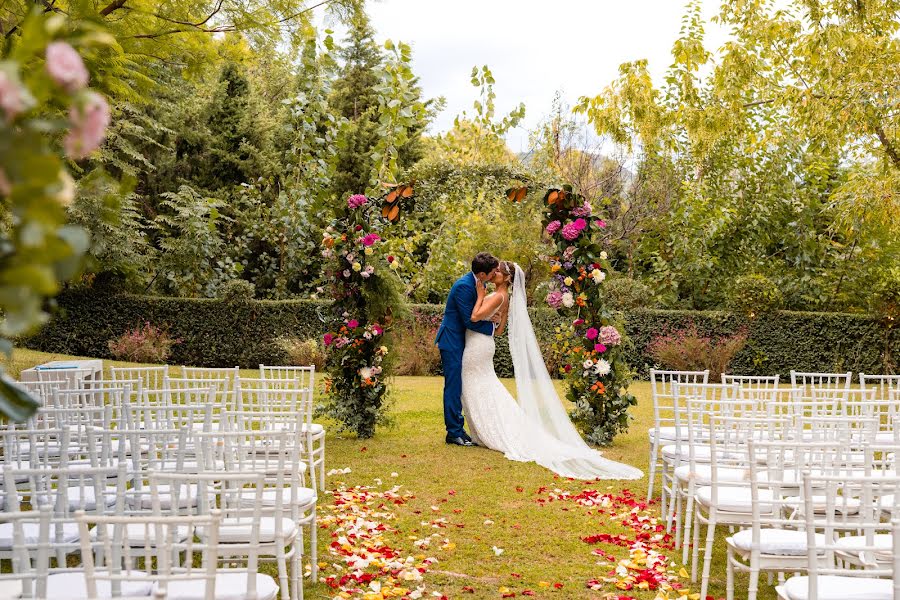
pixel 476 501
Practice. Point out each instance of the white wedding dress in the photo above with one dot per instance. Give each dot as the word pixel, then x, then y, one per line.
pixel 538 430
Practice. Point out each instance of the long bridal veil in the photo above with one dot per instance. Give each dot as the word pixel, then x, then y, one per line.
pixel 538 399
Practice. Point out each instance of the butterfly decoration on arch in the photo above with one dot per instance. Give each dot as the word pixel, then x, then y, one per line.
pixel 517 194
pixel 394 198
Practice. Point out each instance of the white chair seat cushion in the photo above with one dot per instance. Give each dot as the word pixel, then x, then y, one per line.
pixel 884 437
pixel 672 433
pixel 186 496
pixel 86 497
pixel 834 587
pixel 735 499
pixel 776 542
pixel 139 535
pixel 847 506
pixel 229 586
pixel 70 586
pixel 314 428
pixel 302 495
pixel 702 452
pixel 883 543
pixel 702 474
pixel 10 589
pixel 238 530
pixel 31 533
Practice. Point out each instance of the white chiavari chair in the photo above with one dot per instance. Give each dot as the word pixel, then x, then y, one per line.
pixel 664 431
pixel 882 384
pixel 752 382
pixel 244 531
pixel 776 541
pixel 877 542
pixel 146 555
pixel 151 378
pixel 225 379
pixel 306 378
pixel 221 391
pixel 27 534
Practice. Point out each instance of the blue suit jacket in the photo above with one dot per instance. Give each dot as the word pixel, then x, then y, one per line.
pixel 457 313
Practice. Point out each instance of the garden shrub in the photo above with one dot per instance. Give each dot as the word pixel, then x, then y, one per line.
pixel 752 295
pixel 145 344
pixel 625 293
pixel 415 352
pixel 238 290
pixel 302 353
pixel 689 350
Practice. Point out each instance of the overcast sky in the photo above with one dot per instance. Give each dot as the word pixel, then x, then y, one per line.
pixel 534 48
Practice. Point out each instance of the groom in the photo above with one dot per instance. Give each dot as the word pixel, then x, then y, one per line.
pixel 451 341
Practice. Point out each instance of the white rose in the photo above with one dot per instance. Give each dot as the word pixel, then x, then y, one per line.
pixel 602 367
pixel 568 300
pixel 365 372
pixel 604 255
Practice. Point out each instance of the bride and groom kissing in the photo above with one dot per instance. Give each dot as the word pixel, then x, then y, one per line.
pixel 534 427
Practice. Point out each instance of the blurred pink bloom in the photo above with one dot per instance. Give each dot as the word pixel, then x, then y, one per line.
pixel 599 348
pixel 327 339
pixel 352 323
pixel 65 66
pixel 591 334
pixel 12 97
pixel 583 210
pixel 600 223
pixel 610 336
pixel 553 227
pixel 580 224
pixel 89 122
pixel 570 231
pixel 554 298
pixel 356 200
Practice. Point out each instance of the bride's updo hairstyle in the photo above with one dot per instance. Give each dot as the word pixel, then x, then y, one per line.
pixel 509 271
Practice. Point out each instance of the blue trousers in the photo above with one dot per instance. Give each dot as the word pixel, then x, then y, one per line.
pixel 451 361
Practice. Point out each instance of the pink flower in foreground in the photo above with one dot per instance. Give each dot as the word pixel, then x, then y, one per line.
pixel 610 336
pixel 555 299
pixel 12 96
pixel 327 339
pixel 378 330
pixel 570 231
pixel 591 333
pixel 370 239
pixel 352 323
pixel 553 227
pixel 577 322
pixel 356 200
pixel 89 122
pixel 580 224
pixel 599 348
pixel 65 66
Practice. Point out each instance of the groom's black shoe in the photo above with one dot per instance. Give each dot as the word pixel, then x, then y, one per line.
pixel 459 441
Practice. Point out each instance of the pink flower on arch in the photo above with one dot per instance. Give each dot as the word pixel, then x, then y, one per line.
pixel 570 231
pixel 327 339
pixel 356 200
pixel 599 348
pixel 555 299
pixel 13 99
pixel 89 122
pixel 577 322
pixel 591 333
pixel 583 210
pixel 553 227
pixel 352 323
pixel 65 67
pixel 580 224
pixel 600 223
pixel 610 336
pixel 370 239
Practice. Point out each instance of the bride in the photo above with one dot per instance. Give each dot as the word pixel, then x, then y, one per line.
pixel 536 428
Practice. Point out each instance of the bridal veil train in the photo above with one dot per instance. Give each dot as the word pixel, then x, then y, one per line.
pixel 537 428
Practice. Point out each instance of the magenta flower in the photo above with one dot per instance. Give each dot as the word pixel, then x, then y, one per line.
pixel 13 99
pixel 370 239
pixel 591 333
pixel 599 348
pixel 378 330
pixel 89 122
pixel 570 231
pixel 356 200
pixel 583 210
pixel 577 322
pixel 555 299
pixel 327 339
pixel 580 224
pixel 600 223
pixel 65 67
pixel 610 336
pixel 553 227
pixel 352 323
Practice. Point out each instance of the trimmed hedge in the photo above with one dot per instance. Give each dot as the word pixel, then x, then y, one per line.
pixel 216 333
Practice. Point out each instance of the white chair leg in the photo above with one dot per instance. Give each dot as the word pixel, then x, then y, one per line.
pixel 678 518
pixel 651 477
pixel 695 547
pixel 313 549
pixel 729 575
pixel 707 554
pixel 688 522
pixel 753 587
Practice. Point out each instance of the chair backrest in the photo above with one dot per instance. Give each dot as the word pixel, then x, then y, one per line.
pixel 661 383
pixel 195 417
pixel 305 375
pixel 222 389
pixel 151 378
pixel 30 551
pixel 753 382
pixel 833 381
pixel 273 396
pixel 151 547
pixel 882 384
pixel 228 374
pixel 829 501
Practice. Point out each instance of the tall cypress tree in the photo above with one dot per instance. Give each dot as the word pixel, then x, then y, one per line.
pixel 354 97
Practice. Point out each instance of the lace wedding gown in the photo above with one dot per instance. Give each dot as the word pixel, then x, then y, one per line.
pixel 496 421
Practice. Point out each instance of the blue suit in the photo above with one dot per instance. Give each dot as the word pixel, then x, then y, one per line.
pixel 451 340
